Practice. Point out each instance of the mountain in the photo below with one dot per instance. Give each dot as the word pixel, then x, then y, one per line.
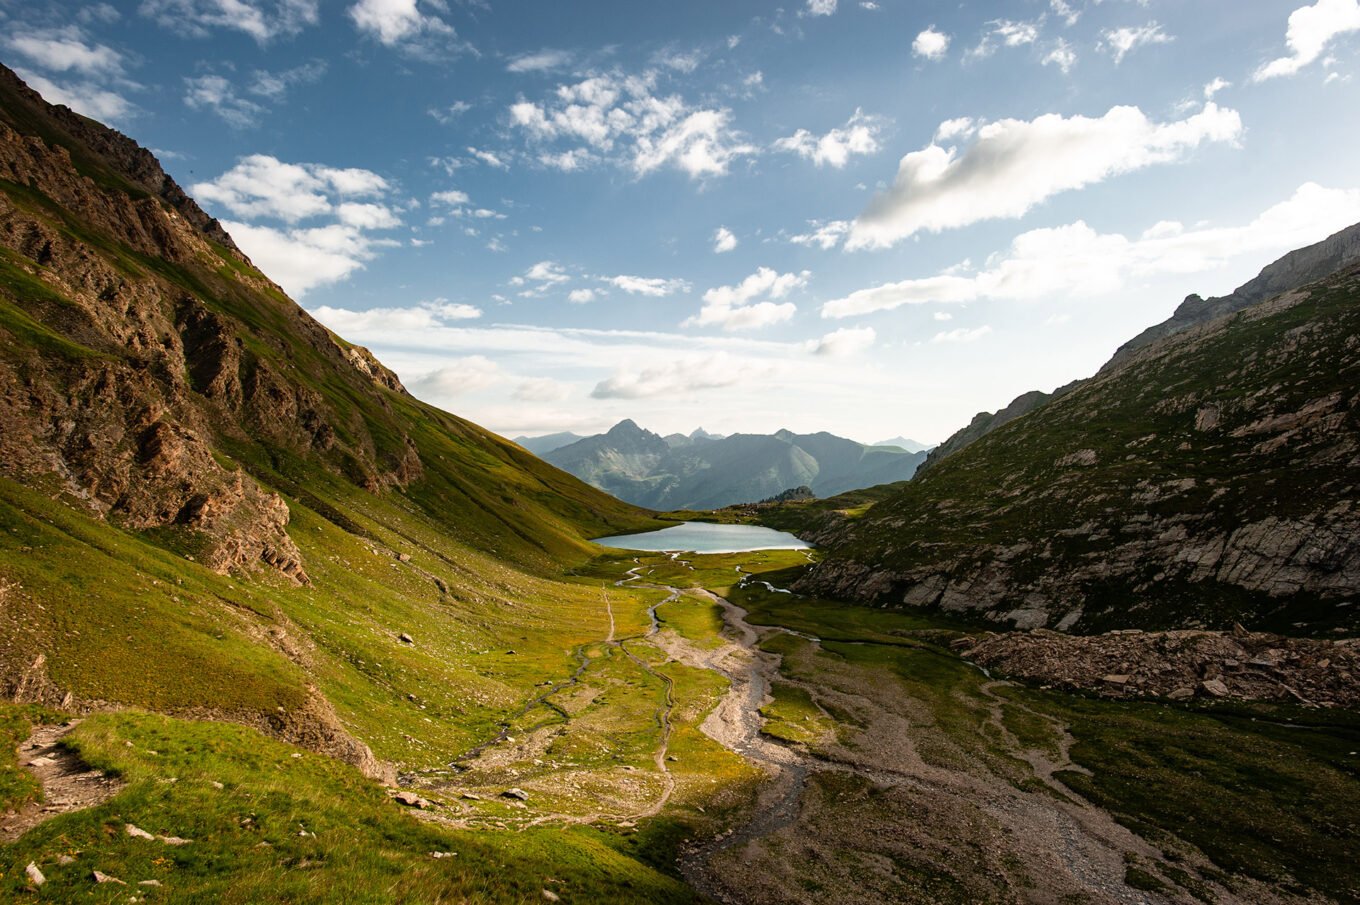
pixel 905 443
pixel 548 442
pixel 212 505
pixel 1207 478
pixel 1295 269
pixel 704 471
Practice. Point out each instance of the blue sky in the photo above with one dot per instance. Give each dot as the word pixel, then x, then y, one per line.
pixel 874 218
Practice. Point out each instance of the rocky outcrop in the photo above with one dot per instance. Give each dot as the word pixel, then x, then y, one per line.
pixel 1179 665
pixel 1210 479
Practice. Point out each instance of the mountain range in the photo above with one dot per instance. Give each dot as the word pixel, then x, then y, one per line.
pixel 705 471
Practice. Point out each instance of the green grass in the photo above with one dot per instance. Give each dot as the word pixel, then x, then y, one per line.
pixel 247 845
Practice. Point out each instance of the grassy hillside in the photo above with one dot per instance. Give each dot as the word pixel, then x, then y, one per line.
pixel 1208 480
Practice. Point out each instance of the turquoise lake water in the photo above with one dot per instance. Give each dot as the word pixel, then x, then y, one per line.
pixel 704 537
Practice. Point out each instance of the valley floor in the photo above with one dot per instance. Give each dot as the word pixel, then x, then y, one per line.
pixel 726 740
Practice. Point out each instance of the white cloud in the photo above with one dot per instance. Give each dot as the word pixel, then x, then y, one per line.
pixel 1120 41
pixel 1076 260
pixel 1065 11
pixel 858 136
pixel 218 95
pixel 679 376
pixel 961 335
pixel 825 236
pixel 1061 55
pixel 1015 164
pixel 541 389
pixel 1311 29
pixel 943 316
pixel 821 7
pixel 65 50
pixel 451 197
pixel 540 61
pixel 263 186
pixel 490 158
pixel 86 98
pixel 275 85
pixel 1212 88
pixel 393 22
pixel 367 216
pixel 844 342
pixel 736 307
pixel 930 44
pixel 262 20
pixel 655 287
pixel 723 240
pixel 581 296
pixel 1008 33
pixel 462 375
pixel 961 127
pixel 302 259
pixel 621 117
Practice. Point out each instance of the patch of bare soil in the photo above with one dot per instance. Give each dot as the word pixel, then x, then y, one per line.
pixel 69 784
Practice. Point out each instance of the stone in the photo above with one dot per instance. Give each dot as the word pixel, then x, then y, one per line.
pixel 403 557
pixel 406 639
pixel 148 882
pixel 550 896
pixel 1183 693
pixel 516 793
pixel 472 796
pixel 438 855
pixel 1214 688
pixel 35 876
pixel 137 832
pixel 411 800
pixel 1116 679
pixel 174 840
pixel 100 877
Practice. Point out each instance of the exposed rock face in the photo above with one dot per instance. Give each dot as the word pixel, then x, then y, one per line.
pixel 121 373
pixel 1296 269
pixel 1180 665
pixel 1210 479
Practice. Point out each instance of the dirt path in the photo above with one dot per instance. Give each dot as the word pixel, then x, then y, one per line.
pixel 68 782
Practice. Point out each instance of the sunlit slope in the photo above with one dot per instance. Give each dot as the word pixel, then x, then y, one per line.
pixel 1209 479
pixel 209 504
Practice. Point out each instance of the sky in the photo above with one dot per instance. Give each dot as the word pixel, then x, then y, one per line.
pixel 871 217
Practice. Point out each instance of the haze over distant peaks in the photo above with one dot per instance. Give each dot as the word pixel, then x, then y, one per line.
pixel 704 470
pixel 908 444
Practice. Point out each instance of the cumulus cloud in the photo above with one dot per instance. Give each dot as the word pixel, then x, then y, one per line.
pixel 262 20
pixel 1310 30
pixel 622 117
pixel 261 187
pixel 749 304
pixel 65 50
pixel 460 376
pixel 1012 165
pixel 930 44
pixel 1119 42
pixel 723 240
pixel 1076 259
pixel 216 94
pixel 264 186
pixel 84 97
pixel 679 376
pixel 845 342
pixel 581 296
pixel 821 7
pixel 859 135
pixel 1061 55
pixel 397 22
pixel 1005 33
pixel 425 315
pixel 655 287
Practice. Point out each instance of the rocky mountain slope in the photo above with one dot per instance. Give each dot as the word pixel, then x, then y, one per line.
pixel 705 472
pixel 1296 269
pixel 211 505
pixel 1209 478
